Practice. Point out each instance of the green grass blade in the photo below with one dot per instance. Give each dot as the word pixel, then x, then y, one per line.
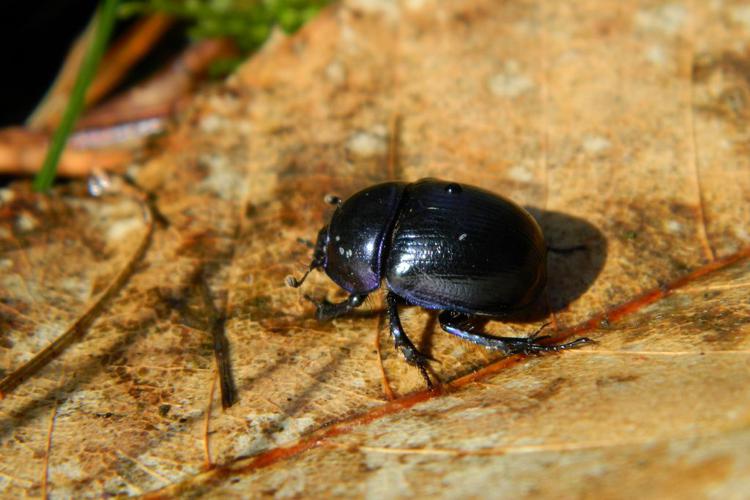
pixel 105 22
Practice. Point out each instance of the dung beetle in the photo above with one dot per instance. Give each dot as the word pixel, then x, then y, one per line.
pixel 439 245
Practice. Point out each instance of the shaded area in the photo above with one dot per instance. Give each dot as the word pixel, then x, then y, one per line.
pixel 570 274
pixel 31 65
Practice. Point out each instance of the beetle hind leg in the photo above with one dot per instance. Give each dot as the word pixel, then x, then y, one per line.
pixel 403 343
pixel 458 324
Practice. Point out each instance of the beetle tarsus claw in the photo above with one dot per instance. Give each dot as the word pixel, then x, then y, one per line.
pixel 296 283
pixel 292 282
pixel 579 342
pixel 320 312
pixel 309 244
pixel 426 377
pixel 416 358
pixel 534 347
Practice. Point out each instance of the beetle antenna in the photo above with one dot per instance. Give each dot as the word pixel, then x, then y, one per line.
pixel 293 282
pixel 332 200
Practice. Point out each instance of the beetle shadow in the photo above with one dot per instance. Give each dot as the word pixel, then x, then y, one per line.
pixel 576 256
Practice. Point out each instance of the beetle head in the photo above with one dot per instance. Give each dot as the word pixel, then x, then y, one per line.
pixel 356 237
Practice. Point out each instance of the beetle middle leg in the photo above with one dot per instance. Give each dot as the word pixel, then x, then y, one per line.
pixel 457 324
pixel 402 341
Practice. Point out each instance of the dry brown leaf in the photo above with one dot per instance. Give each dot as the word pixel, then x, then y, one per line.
pixel 621 124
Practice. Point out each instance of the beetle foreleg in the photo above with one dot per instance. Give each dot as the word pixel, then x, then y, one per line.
pixel 318 260
pixel 329 310
pixel 403 343
pixel 454 323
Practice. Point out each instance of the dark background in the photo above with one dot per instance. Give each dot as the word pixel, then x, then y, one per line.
pixel 35 36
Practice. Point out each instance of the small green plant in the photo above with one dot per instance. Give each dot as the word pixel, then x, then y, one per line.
pixel 247 22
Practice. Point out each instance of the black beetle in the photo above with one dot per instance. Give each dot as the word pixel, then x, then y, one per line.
pixel 439 245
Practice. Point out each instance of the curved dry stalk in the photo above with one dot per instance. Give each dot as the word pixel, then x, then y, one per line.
pixel 387 390
pixel 79 327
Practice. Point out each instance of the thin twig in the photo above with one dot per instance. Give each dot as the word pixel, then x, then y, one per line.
pixel 708 250
pixel 495 451
pixel 552 315
pixel 217 321
pixel 13 479
pixel 48 450
pixel 207 422
pixel 622 352
pixel 390 396
pixel 143 467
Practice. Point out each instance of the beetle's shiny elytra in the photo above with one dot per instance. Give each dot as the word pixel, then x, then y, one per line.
pixel 439 245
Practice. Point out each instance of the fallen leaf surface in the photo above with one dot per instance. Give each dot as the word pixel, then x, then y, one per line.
pixel 620 125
